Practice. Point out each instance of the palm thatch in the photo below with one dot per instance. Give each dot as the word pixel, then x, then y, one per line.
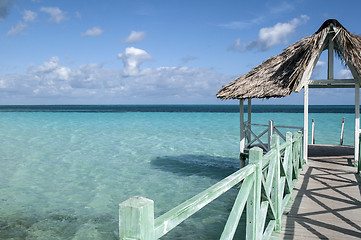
pixel 282 74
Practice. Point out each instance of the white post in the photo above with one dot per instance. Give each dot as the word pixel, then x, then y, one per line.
pixel 136 219
pixel 357 121
pixel 249 119
pixel 330 60
pixel 305 122
pixel 242 143
pixel 270 133
pixel 342 130
pixel 313 131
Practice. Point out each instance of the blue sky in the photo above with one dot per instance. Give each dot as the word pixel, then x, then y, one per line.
pixel 154 52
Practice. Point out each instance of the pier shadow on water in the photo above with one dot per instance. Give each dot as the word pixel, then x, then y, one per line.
pixel 201 165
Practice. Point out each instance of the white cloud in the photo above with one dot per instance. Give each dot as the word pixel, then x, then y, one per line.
pixel 272 36
pixel 29 16
pixel 344 74
pixel 91 83
pixel 56 15
pixel 135 37
pixel 4 6
pixel 95 31
pixel 18 28
pixel 132 58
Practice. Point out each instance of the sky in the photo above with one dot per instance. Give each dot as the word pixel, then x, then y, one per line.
pixel 155 51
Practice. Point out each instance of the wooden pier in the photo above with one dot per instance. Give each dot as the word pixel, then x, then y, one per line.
pixel 326 201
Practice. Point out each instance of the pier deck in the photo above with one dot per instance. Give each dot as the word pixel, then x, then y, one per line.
pixel 326 199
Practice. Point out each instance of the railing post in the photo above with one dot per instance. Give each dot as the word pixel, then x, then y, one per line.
pixel 277 193
pixel 342 130
pixel 254 198
pixel 136 219
pixel 270 133
pixel 313 132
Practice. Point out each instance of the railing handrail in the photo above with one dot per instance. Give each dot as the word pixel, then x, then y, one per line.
pixel 136 215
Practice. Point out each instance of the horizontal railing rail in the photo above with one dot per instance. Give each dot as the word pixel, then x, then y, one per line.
pixel 266 187
pixel 254 139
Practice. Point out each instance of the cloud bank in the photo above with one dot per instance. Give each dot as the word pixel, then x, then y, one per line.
pixel 93 83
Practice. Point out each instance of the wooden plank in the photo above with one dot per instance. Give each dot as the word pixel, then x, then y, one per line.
pixel 254 197
pixel 172 218
pixel 136 219
pixel 326 201
pixel 237 209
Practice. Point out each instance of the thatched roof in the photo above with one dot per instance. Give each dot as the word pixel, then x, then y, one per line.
pixel 287 72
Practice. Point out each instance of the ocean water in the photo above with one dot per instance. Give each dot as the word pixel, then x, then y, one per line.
pixel 65 169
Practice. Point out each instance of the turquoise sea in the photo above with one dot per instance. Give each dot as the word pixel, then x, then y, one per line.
pixel 65 169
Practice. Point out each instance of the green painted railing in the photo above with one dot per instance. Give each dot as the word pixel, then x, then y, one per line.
pixel 266 187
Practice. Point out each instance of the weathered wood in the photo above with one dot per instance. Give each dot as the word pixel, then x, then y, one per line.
pixel 265 180
pixel 357 122
pixel 171 219
pixel 342 130
pixel 276 193
pixel 254 197
pixel 326 199
pixel 305 122
pixel 238 207
pixel 136 219
pixel 313 132
pixel 242 141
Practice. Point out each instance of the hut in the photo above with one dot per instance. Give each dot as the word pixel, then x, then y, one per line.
pixel 291 70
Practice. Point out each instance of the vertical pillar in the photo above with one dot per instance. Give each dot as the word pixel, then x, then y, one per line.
pixel 242 127
pixel 357 121
pixel 249 119
pixel 305 122
pixel 330 60
pixel 254 197
pixel 136 219
pixel 277 192
pixel 270 133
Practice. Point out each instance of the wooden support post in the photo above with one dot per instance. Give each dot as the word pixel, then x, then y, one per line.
pixel 136 219
pixel 357 122
pixel 330 60
pixel 277 193
pixel 249 119
pixel 242 142
pixel 270 134
pixel 313 131
pixel 254 197
pixel 342 130
pixel 359 159
pixel 305 122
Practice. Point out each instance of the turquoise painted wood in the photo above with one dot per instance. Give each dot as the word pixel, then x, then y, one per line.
pixel 266 187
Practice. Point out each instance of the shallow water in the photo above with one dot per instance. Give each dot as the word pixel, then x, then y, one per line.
pixel 63 174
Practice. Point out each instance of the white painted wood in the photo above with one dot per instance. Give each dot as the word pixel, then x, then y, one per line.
pixel 270 133
pixel 357 122
pixel 174 217
pixel 249 118
pixel 242 142
pixel 330 59
pixel 305 123
pixel 313 132
pixel 331 81
pixel 312 64
pixel 342 130
pixel 254 197
pixel 237 209
pixel 136 219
